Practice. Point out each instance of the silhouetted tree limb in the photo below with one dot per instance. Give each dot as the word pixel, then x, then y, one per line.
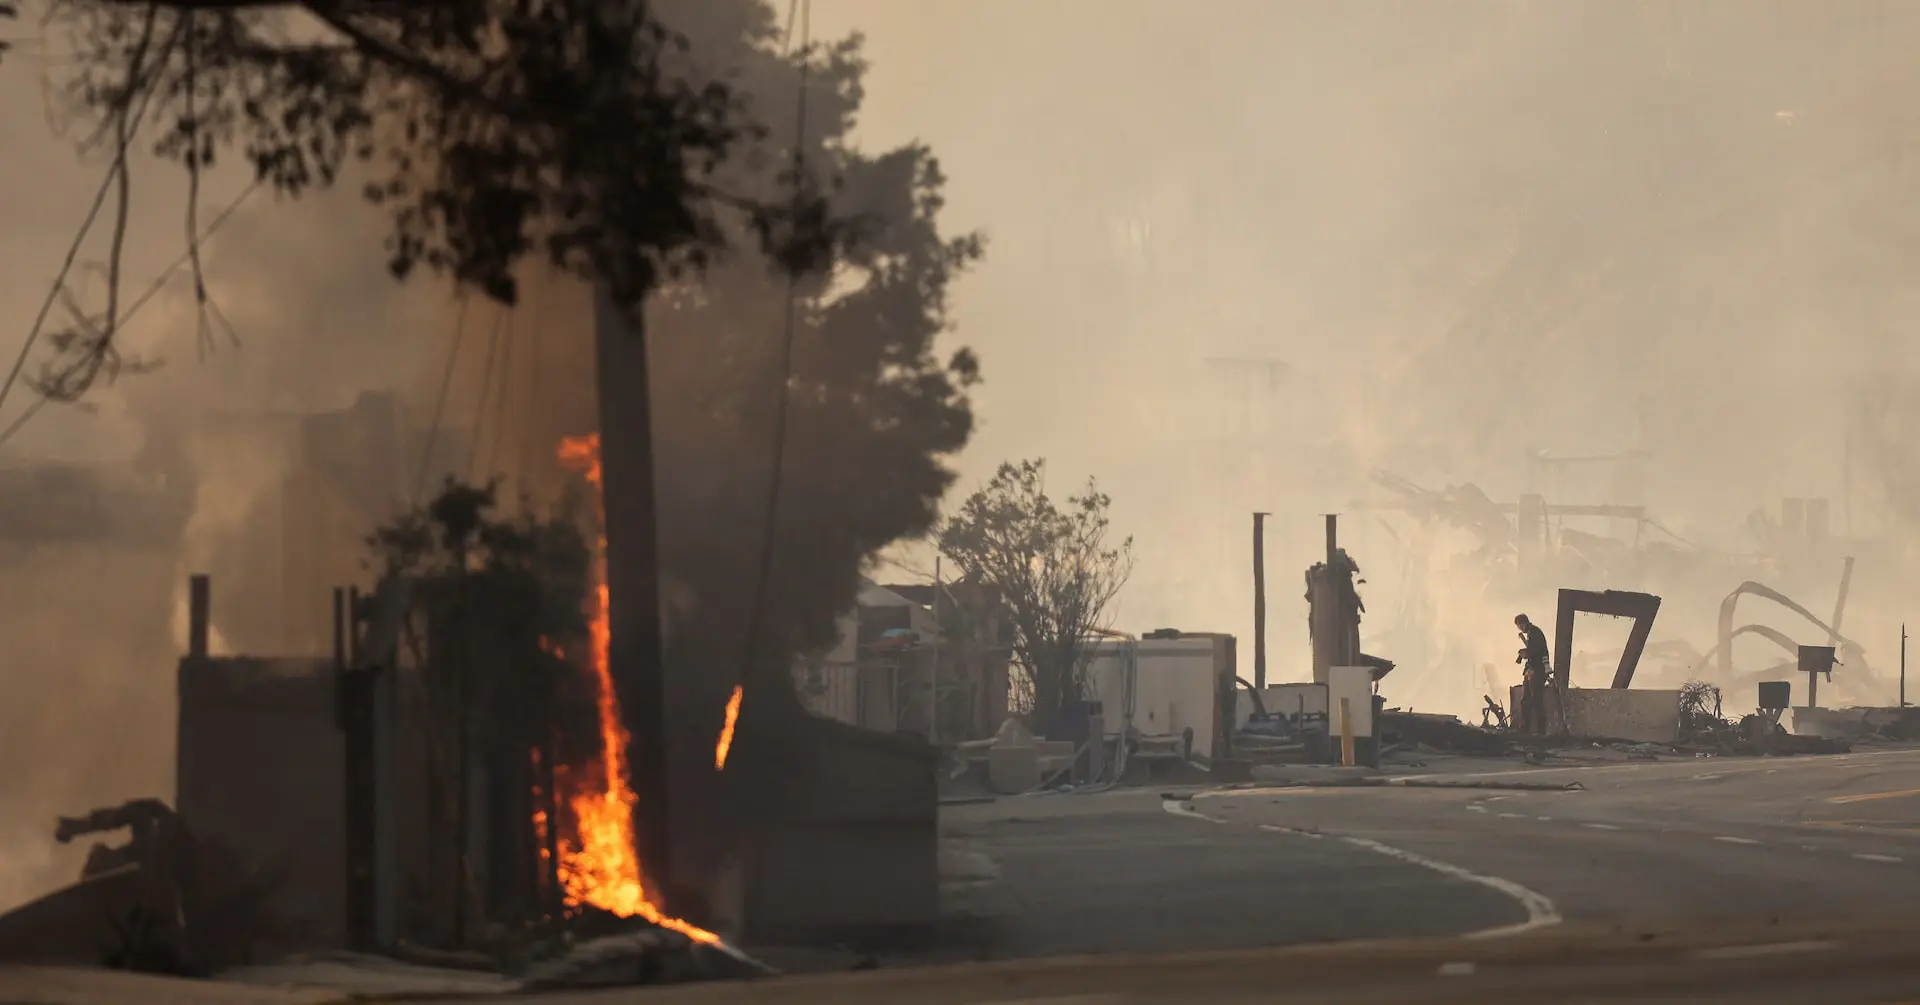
pixel 492 131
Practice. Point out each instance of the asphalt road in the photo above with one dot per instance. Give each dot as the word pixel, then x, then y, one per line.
pixel 1762 880
pixel 1793 839
pixel 1119 873
pixel 1692 842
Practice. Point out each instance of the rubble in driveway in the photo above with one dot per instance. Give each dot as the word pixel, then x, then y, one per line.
pixel 166 900
pixel 1442 733
pixel 641 955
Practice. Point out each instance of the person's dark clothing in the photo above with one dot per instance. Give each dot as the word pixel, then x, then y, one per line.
pixel 1536 651
pixel 1533 706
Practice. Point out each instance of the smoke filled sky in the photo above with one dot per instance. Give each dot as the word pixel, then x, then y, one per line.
pixel 1242 251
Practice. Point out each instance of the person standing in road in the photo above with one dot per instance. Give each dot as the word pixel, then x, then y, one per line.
pixel 1533 682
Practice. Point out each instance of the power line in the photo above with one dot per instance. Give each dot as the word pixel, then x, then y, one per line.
pixel 126 125
pixel 440 402
pixel 800 12
pixel 146 296
pixel 478 426
pixel 59 283
pixel 500 397
pixel 533 402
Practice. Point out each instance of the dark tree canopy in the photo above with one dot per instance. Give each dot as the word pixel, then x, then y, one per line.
pixel 873 410
pixel 876 405
pixel 492 131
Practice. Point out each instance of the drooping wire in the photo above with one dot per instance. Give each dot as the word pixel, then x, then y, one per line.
pixel 440 402
pixel 799 12
pixel 207 308
pixel 127 124
pixel 128 120
pixel 53 295
pixel 478 426
pixel 501 396
pixel 525 468
pixel 146 296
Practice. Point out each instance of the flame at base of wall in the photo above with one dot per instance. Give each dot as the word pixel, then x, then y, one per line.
pixel 599 863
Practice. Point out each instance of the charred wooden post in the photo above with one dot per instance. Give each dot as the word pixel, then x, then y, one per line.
pixel 199 614
pixel 1333 607
pixel 1259 602
pixel 356 725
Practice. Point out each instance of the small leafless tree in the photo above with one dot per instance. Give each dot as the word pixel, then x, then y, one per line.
pixel 1053 569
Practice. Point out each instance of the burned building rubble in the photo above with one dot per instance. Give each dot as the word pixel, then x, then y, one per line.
pixel 1520 551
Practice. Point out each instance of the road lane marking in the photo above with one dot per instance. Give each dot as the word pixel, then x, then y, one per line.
pixel 1870 857
pixel 1056 1000
pixel 1865 797
pixel 1753 952
pixel 1729 839
pixel 1273 790
pixel 1476 807
pixel 1541 912
pixel 1768 949
pixel 1601 827
pixel 1181 809
pixel 1297 832
pixel 1513 816
pixel 1863 826
pixel 1456 970
pixel 1543 818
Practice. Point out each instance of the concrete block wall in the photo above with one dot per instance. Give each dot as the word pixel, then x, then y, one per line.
pixel 261 766
pixel 1647 715
pixel 1844 723
pixel 858 851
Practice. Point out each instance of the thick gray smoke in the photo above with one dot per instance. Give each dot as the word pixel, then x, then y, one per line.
pixel 1467 232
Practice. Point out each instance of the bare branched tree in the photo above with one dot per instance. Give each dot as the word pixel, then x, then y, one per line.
pixel 1052 569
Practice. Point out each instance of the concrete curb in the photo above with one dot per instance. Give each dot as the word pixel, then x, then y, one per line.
pixel 1385 783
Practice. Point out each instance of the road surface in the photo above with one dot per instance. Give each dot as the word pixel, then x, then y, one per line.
pixel 1749 880
pixel 1823 838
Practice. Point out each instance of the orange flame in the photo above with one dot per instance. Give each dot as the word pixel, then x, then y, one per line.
pixel 600 866
pixel 725 744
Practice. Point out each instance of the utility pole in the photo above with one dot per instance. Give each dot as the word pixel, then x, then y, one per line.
pixel 632 534
pixel 933 675
pixel 1259 602
pixel 1903 664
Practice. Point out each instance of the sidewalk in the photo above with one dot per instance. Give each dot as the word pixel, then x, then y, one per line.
pixel 77 986
pixel 332 978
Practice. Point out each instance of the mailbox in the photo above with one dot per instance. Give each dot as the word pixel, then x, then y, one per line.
pixel 1817 659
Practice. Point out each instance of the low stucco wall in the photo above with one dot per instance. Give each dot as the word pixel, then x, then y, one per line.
pixel 1647 715
pixel 858 851
pixel 1845 723
pixel 261 767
